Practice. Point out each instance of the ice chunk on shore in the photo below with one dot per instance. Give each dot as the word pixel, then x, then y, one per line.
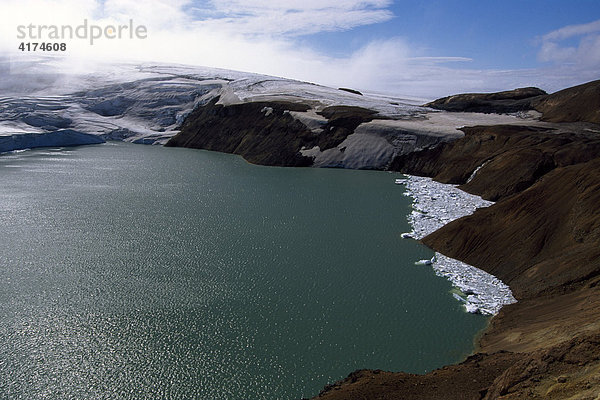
pixel 436 204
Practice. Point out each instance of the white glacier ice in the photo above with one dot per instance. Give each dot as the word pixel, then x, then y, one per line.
pixel 59 138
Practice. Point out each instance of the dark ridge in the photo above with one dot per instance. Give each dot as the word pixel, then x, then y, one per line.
pixel 539 239
pixel 350 91
pixel 262 132
pixel 501 102
pixel 464 381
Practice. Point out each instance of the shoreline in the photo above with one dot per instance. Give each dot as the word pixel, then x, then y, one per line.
pixel 435 205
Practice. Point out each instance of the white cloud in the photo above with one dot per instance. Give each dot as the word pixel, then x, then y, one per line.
pixel 577 45
pixel 259 36
pixel 292 17
pixel 155 14
pixel 573 30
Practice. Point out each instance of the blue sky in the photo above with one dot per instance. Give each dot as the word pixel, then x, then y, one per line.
pixel 422 48
pixel 494 34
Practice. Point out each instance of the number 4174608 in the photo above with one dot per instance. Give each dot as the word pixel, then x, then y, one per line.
pixel 44 46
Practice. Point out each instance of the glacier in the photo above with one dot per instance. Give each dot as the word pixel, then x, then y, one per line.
pixel 147 103
pixel 58 138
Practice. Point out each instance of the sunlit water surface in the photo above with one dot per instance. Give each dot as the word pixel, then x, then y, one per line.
pixel 136 272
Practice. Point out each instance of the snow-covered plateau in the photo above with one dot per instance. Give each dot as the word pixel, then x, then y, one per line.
pixel 147 103
pixel 434 205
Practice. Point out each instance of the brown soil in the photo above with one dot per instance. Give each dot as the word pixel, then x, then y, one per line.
pixel 579 103
pixel 474 375
pixel 537 241
pixel 570 370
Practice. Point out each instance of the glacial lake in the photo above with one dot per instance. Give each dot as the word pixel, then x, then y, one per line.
pixel 136 272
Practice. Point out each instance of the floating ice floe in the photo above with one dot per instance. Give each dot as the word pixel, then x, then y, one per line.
pixel 426 262
pixel 436 204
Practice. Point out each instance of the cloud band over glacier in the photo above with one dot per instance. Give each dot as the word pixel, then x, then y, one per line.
pixel 282 39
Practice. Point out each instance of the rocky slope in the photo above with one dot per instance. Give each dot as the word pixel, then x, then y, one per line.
pixel 579 103
pixel 527 152
pixel 542 237
pixel 276 122
pixel 246 129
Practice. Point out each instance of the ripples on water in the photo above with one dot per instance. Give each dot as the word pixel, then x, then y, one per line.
pixel 132 272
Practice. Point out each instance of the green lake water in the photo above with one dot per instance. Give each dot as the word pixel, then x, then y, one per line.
pixel 142 272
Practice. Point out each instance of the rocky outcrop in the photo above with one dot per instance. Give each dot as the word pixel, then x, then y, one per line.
pixel 342 132
pixel 466 381
pixel 285 133
pixel 569 370
pixel 353 91
pixel 263 133
pixel 501 102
